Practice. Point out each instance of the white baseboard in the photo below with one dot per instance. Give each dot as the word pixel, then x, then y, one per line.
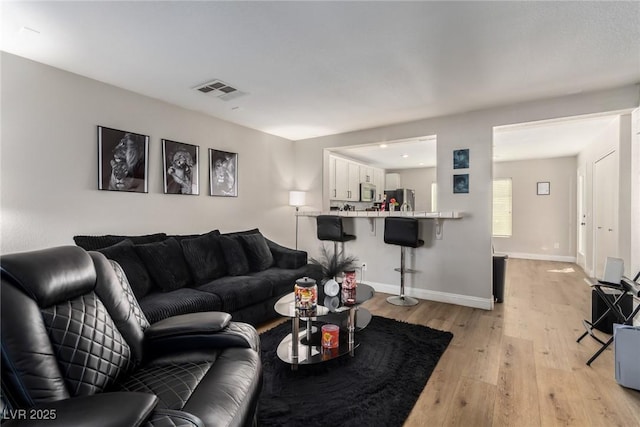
pixel 542 257
pixel 425 294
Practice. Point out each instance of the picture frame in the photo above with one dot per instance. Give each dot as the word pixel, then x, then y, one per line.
pixel 123 160
pixel 223 173
pixel 543 188
pixel 461 159
pixel 461 183
pixel 180 168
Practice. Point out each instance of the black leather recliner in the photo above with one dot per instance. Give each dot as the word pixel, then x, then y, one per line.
pixel 77 350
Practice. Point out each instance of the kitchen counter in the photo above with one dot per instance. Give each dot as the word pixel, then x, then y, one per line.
pixel 382 214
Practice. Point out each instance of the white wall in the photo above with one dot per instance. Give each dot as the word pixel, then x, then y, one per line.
pixel 540 223
pixel 458 267
pixel 49 164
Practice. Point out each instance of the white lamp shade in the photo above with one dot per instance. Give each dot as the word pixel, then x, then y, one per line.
pixel 297 198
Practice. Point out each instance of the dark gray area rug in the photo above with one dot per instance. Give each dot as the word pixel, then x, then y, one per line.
pixel 377 387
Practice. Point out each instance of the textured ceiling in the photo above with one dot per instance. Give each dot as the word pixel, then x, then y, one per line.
pixel 311 69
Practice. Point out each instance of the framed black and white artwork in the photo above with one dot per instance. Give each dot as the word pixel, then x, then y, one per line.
pixel 123 160
pixel 223 173
pixel 461 159
pixel 180 167
pixel 461 183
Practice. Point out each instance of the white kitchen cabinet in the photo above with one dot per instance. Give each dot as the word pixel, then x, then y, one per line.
pixel 392 181
pixel 366 174
pixel 353 182
pixel 344 179
pixel 378 180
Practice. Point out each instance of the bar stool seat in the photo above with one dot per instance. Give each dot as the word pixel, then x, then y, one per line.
pixel 330 227
pixel 403 232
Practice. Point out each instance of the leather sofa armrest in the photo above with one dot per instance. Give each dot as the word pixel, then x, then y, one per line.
pixel 286 257
pixel 197 331
pixel 203 323
pixel 109 409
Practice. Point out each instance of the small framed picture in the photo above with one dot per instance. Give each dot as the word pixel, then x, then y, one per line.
pixel 180 167
pixel 544 189
pixel 461 183
pixel 461 159
pixel 223 173
pixel 122 160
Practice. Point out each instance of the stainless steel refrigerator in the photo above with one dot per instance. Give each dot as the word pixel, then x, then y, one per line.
pixel 402 195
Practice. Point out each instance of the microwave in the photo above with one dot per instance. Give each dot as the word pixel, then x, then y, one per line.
pixel 367 192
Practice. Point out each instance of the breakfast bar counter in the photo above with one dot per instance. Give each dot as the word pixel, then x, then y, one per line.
pixel 382 214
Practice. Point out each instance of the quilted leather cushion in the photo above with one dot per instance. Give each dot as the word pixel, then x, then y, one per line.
pixel 90 350
pixel 172 382
pixel 237 292
pixel 220 387
pixel 204 257
pixel 166 264
pixel 160 305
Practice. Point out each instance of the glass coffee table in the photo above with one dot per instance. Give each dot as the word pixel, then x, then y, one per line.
pixel 304 347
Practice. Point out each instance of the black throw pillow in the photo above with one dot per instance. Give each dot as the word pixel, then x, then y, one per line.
pixel 125 254
pixel 181 237
pixel 93 243
pixel 204 257
pixel 234 256
pixel 258 253
pixel 165 263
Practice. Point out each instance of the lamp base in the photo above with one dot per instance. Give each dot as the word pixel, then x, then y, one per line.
pixel 404 301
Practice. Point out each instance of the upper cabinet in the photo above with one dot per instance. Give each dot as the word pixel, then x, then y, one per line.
pixel 345 177
pixel 378 180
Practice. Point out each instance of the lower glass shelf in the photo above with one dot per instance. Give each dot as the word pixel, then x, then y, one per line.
pixel 311 352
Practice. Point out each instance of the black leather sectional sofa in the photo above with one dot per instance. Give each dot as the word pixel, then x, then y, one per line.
pixel 78 350
pixel 241 273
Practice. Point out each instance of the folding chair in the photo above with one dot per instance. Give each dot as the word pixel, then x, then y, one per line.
pixel 622 289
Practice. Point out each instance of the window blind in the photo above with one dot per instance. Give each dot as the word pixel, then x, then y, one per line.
pixel 502 207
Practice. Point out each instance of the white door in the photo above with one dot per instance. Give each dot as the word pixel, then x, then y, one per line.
pixel 582 222
pixel 605 185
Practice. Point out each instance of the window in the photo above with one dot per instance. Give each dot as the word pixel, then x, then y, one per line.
pixel 502 207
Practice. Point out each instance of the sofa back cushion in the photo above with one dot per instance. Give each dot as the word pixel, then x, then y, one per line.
pixel 258 253
pixel 204 257
pixel 166 264
pixel 92 243
pixel 126 255
pixel 234 255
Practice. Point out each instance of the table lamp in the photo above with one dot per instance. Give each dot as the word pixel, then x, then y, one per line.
pixel 297 199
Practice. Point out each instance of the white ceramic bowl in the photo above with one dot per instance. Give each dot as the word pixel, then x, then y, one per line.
pixel 331 288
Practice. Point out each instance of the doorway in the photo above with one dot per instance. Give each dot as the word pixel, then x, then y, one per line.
pixel 605 194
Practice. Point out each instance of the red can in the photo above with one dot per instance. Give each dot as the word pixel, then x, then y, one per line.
pixel 330 336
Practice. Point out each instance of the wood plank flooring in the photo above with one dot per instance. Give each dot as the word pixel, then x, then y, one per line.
pixel 519 365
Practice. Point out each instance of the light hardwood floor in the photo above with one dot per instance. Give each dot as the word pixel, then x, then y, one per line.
pixel 519 365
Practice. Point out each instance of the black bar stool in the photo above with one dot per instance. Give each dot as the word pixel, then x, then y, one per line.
pixel 330 227
pixel 403 232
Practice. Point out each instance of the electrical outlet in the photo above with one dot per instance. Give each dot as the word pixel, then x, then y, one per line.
pixel 364 266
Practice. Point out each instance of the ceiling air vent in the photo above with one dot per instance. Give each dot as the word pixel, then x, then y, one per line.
pixel 220 89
